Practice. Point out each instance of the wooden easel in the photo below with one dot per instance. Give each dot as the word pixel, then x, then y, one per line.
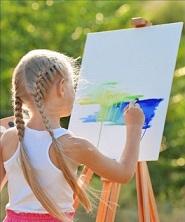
pixel 147 209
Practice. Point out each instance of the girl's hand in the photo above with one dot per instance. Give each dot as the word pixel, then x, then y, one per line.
pixel 133 115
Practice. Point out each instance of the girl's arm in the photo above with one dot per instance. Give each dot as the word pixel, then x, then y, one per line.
pixel 84 152
pixel 3 178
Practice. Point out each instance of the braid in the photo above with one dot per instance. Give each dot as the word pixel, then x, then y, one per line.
pixel 69 176
pixel 39 95
pixel 19 117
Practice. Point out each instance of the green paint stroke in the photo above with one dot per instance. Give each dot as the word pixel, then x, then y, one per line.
pixel 106 94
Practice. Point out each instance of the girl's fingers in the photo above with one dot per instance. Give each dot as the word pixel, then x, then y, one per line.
pixel 131 104
pixel 137 105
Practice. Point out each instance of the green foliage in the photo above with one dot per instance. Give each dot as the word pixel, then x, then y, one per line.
pixel 62 26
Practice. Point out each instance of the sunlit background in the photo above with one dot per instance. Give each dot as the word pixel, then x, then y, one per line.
pixel 63 26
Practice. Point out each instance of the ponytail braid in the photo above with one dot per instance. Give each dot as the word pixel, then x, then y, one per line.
pixel 69 176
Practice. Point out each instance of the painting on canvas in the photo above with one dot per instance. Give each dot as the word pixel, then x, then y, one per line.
pixel 120 66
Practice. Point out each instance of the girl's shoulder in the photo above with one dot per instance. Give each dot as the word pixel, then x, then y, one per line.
pixel 9 143
pixel 75 147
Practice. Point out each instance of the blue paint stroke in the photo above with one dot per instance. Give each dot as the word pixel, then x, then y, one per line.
pixel 114 113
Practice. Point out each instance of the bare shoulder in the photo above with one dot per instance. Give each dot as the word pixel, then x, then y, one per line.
pixel 9 142
pixel 77 148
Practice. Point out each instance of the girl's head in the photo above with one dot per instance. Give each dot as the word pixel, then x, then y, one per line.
pixel 45 79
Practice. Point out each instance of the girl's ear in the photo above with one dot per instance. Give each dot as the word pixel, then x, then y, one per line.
pixel 60 88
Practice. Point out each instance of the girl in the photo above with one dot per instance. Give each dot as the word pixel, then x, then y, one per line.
pixel 40 158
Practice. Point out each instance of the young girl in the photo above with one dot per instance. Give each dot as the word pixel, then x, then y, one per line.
pixel 39 158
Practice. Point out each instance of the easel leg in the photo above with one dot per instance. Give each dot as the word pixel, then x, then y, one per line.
pixel 110 193
pixel 147 209
pixel 114 197
pixel 105 196
pixel 142 194
pixel 154 217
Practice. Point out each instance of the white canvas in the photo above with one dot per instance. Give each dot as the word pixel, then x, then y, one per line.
pixel 119 66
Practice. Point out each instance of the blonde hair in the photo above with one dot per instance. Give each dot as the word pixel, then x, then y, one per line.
pixel 32 78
